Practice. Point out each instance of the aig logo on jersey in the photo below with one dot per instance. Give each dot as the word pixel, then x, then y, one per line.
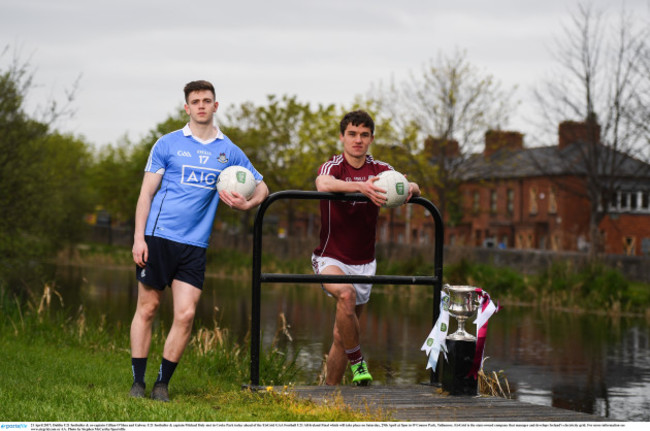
pixel 197 176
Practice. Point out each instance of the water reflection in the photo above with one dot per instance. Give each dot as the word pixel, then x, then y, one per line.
pixel 575 361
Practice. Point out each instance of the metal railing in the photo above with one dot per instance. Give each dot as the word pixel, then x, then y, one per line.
pixel 258 277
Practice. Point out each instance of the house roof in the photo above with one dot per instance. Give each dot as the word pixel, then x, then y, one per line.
pixel 552 161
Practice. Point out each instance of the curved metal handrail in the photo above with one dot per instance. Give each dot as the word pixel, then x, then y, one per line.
pixel 259 277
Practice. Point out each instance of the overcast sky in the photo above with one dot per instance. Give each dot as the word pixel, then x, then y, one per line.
pixel 134 57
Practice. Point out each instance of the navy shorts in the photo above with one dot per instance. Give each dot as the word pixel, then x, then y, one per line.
pixel 169 260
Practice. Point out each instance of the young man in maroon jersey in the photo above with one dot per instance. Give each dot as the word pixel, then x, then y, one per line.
pixel 347 239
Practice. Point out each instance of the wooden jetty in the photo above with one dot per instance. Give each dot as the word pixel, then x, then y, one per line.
pixel 425 403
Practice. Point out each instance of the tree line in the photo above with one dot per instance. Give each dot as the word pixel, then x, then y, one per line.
pixel 50 180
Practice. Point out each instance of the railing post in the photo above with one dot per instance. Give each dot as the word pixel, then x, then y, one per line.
pixel 256 292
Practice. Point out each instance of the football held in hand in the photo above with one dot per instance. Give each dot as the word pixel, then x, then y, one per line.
pixel 396 186
pixel 237 179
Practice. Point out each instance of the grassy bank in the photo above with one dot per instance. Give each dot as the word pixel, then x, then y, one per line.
pixel 57 369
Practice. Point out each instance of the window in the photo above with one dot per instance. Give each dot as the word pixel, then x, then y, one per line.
pixel 511 201
pixel 629 245
pixel 533 200
pixel 625 202
pixel 613 202
pixel 476 202
pixel 493 201
pixel 630 201
pixel 552 201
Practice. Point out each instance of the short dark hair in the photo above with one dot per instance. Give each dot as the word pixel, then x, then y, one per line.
pixel 358 118
pixel 198 86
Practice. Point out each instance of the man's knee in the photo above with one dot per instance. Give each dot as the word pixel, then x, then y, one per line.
pixel 347 294
pixel 147 309
pixel 185 316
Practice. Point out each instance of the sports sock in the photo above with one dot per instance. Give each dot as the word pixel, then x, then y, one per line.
pixel 354 355
pixel 166 370
pixel 138 368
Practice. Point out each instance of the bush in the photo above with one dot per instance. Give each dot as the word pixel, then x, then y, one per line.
pixel 498 282
pixel 602 286
pixel 593 286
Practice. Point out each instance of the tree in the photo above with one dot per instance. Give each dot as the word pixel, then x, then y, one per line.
pixel 43 187
pixel 286 140
pixel 440 118
pixel 601 81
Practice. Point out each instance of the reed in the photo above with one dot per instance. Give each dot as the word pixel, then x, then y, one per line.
pixel 493 384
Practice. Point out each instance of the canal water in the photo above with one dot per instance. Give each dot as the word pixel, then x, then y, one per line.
pixel 582 362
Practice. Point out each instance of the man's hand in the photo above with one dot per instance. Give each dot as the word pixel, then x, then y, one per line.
pixel 376 194
pixel 414 190
pixel 234 200
pixel 140 252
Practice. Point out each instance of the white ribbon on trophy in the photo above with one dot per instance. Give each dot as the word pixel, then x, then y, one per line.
pixel 437 339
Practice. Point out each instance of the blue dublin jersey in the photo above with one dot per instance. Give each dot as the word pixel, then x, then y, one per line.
pixel 184 207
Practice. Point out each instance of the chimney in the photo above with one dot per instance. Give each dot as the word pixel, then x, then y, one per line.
pixel 439 147
pixel 570 132
pixel 499 139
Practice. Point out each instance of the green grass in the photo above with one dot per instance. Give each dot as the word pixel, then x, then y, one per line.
pixel 80 370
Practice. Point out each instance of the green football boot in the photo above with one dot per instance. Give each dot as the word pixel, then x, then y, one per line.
pixel 360 374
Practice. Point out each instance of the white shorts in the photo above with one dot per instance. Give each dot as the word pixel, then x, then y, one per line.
pixel 363 290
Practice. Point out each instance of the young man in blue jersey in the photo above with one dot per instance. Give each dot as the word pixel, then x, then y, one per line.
pixel 173 220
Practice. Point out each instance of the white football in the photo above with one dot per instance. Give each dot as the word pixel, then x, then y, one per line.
pixel 237 179
pixel 396 186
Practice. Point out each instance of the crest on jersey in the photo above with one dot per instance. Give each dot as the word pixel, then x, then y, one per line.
pixel 222 158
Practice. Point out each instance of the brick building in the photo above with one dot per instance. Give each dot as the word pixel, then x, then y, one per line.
pixel 514 197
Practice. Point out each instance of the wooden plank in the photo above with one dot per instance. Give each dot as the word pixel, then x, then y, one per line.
pixel 424 403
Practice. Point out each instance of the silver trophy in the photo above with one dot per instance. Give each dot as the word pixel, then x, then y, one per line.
pixel 463 303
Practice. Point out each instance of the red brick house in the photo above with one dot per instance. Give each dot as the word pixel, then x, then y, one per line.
pixel 514 197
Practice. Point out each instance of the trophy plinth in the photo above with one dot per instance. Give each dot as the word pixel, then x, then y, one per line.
pixel 463 303
pixel 456 379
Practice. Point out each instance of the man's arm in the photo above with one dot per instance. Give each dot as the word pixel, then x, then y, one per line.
pixel 327 183
pixel 150 184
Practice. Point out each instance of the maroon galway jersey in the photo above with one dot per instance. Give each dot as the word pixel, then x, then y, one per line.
pixel 348 228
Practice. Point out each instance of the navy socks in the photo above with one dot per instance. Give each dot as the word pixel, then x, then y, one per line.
pixel 138 368
pixel 166 370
